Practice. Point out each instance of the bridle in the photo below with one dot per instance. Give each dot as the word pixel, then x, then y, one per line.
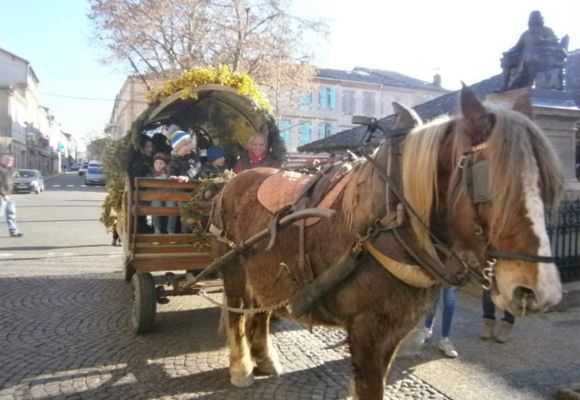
pixel 474 176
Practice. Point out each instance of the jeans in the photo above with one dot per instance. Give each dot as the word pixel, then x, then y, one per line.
pixel 449 298
pixel 9 208
pixel 489 309
pixel 158 220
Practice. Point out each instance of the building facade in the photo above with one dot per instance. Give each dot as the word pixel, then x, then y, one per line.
pixel 27 128
pixel 336 96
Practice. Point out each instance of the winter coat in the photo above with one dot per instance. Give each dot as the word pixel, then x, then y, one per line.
pixel 6 180
pixel 188 165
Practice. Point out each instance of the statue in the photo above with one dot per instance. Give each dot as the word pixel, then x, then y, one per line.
pixel 537 51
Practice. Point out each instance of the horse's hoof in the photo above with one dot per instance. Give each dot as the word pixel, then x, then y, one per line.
pixel 242 380
pixel 269 367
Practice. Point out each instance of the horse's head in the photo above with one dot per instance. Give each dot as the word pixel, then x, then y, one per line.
pixel 503 175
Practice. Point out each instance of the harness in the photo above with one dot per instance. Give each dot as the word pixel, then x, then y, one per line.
pixel 474 176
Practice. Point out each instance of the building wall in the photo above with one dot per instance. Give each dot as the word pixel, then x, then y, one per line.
pixel 12 69
pixel 333 103
pixel 129 104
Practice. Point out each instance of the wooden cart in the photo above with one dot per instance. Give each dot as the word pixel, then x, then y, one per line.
pixel 147 253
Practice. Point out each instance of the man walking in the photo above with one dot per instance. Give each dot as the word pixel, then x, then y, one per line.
pixel 6 204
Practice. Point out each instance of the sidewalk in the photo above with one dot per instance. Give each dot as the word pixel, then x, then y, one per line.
pixel 542 358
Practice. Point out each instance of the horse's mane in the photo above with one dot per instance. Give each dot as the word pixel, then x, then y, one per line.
pixel 516 144
pixel 419 175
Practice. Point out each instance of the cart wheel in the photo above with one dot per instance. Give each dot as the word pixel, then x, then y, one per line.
pixel 144 302
pixel 128 272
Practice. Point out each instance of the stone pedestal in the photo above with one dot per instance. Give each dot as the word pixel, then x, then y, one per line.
pixel 557 114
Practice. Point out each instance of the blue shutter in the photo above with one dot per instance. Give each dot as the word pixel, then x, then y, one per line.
pixel 321 130
pixel 332 98
pixel 306 99
pixel 328 130
pixel 323 98
pixel 304 133
pixel 285 131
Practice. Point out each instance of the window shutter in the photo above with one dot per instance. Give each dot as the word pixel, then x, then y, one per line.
pixel 332 98
pixel 323 98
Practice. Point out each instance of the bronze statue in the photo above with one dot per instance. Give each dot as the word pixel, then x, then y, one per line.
pixel 537 51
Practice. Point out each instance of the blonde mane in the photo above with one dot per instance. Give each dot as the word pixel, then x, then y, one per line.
pixel 419 176
pixel 516 144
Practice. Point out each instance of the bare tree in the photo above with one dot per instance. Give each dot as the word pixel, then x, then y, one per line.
pixel 260 37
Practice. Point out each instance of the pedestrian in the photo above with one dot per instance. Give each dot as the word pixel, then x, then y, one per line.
pixel 449 295
pixel 257 154
pixel 160 161
pixel 7 205
pixel 506 324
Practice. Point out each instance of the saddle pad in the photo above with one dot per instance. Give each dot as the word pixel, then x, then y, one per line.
pixel 283 188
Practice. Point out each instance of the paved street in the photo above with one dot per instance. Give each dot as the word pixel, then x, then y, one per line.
pixel 64 331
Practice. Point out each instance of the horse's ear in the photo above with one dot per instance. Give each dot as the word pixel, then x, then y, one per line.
pixel 406 117
pixel 479 121
pixel 524 105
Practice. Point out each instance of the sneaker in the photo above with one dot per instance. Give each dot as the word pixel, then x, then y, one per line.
pixel 16 234
pixel 447 347
pixel 424 334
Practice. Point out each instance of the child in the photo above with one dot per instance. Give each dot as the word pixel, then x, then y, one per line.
pixel 257 155
pixel 215 164
pixel 185 164
pixel 160 161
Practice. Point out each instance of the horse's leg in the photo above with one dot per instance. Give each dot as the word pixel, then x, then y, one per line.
pixel 372 347
pixel 265 358
pixel 241 365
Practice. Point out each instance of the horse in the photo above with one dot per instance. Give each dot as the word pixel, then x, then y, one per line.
pixel 505 233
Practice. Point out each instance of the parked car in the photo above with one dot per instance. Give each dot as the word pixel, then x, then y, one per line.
pixel 83 168
pixel 94 176
pixel 28 180
pixel 75 167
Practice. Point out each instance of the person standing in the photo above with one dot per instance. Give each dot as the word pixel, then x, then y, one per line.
pixel 449 295
pixel 7 205
pixel 506 324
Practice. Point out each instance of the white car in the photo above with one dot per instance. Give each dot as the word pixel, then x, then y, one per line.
pixel 28 180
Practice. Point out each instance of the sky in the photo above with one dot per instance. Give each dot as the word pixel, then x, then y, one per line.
pixel 460 40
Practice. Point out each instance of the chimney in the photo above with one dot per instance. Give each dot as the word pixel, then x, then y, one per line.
pixel 437 80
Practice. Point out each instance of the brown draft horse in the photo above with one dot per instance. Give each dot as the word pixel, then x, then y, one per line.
pixel 375 308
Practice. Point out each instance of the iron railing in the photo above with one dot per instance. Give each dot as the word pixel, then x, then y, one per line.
pixel 563 226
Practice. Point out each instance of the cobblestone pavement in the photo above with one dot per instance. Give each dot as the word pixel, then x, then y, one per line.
pixel 65 334
pixel 69 337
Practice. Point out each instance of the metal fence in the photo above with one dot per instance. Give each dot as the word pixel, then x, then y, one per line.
pixel 564 231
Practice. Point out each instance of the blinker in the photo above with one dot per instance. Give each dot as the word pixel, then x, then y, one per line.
pixel 475 179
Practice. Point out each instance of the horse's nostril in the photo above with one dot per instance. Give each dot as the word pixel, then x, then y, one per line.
pixel 524 296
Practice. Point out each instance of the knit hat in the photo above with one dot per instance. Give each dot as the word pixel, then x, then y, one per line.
pixel 178 139
pixel 214 152
pixel 161 156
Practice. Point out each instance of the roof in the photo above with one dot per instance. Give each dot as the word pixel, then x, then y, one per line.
pixel 446 104
pixel 377 76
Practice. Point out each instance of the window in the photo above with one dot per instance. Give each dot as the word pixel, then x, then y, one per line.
pixel 348 102
pixel 285 130
pixel 369 104
pixel 324 130
pixel 306 99
pixel 327 97
pixel 304 133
